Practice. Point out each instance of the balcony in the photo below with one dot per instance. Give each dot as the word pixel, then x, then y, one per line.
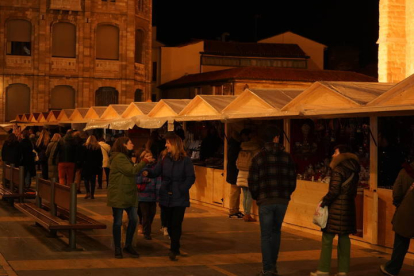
pixel 19 62
pixel 66 5
pixel 63 64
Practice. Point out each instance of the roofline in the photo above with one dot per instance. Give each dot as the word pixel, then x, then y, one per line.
pixel 264 57
pixel 295 34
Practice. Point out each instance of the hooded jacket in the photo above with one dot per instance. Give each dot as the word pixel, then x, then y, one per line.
pixel 340 198
pixel 122 189
pixel 272 175
pixel 177 178
pixel 254 147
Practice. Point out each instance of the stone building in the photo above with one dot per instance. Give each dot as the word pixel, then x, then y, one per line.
pixel 73 53
pixel 396 40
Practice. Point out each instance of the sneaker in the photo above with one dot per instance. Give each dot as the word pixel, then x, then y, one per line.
pixel 237 215
pixel 140 229
pixel 118 253
pixel 382 268
pixel 132 251
pixel 319 273
pixel 165 230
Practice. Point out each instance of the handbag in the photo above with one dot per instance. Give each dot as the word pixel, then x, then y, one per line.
pixel 403 217
pixel 320 217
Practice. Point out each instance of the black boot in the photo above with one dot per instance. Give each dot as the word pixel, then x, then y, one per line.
pixel 129 249
pixel 118 253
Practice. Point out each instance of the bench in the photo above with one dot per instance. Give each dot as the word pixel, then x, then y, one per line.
pixel 12 186
pixel 55 209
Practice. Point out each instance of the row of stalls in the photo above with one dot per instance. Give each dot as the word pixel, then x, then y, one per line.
pixel 375 119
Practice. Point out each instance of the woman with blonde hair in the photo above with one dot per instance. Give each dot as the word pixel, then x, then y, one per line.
pixel 51 158
pixel 177 174
pixel 92 163
pixel 41 147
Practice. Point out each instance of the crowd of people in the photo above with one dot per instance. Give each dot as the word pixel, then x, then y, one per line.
pixel 162 173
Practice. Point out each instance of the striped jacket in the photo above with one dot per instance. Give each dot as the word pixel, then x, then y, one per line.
pixel 272 175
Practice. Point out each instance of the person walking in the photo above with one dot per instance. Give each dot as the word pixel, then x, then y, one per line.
pixel 105 162
pixel 272 180
pixel 340 200
pixel 122 193
pixel 41 147
pixel 10 152
pixel 402 222
pixel 52 158
pixel 177 173
pixel 80 138
pixel 147 196
pixel 27 155
pixel 65 152
pixel 91 165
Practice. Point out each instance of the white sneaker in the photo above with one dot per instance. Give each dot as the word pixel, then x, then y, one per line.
pixel 319 273
pixel 165 230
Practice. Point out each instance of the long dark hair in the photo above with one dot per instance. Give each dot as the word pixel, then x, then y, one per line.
pixel 177 149
pixel 119 145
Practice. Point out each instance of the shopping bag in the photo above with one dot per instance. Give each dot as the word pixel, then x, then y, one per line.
pixel 320 217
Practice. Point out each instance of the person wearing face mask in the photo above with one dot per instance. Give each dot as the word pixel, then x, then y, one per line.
pixel 122 192
pixel 177 174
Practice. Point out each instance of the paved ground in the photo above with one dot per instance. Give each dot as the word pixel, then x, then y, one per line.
pixel 216 246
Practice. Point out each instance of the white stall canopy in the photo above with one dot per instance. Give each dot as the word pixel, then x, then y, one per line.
pixel 205 107
pixel 64 115
pixel 78 115
pixel 138 108
pixel 256 103
pixel 114 111
pixel 95 112
pixel 52 116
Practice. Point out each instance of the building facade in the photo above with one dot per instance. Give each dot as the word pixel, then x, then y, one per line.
pixel 396 40
pixel 73 53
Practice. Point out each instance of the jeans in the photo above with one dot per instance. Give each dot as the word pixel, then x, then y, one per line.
pixel 344 252
pixel 271 218
pixel 234 199
pixel 148 211
pixel 132 224
pixel 401 246
pixel 175 217
pixel 90 183
pixel 247 200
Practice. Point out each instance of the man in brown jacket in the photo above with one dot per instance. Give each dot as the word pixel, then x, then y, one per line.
pixel 404 228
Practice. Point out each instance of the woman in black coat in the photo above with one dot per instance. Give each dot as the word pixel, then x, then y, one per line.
pixel 10 153
pixel 41 147
pixel 340 200
pixel 27 159
pixel 91 165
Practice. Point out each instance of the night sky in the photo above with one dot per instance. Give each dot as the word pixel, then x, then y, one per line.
pixel 342 25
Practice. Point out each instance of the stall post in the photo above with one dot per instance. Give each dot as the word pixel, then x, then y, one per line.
pixel 226 190
pixel 286 130
pixel 371 195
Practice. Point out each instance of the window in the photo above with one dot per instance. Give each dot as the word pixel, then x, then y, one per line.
pixel 107 42
pixel 138 95
pixel 139 45
pixel 64 40
pixel 17 100
pixel 154 71
pixel 62 97
pixel 19 37
pixel 105 96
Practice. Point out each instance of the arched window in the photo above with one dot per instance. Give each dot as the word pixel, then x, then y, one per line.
pixel 19 37
pixel 138 95
pixel 62 97
pixel 105 96
pixel 17 100
pixel 107 42
pixel 64 40
pixel 139 46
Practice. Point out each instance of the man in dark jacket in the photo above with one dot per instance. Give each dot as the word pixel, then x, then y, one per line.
pixel 403 226
pixel 272 180
pixel 66 151
pixel 27 158
pixel 340 200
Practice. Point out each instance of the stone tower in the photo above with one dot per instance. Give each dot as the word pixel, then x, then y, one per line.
pixel 396 40
pixel 73 53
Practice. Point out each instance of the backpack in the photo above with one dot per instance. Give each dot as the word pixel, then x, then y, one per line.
pixel 244 160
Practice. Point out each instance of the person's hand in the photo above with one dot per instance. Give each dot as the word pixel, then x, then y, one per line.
pixel 145 173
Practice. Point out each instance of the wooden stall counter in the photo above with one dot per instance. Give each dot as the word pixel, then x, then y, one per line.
pixel 209 186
